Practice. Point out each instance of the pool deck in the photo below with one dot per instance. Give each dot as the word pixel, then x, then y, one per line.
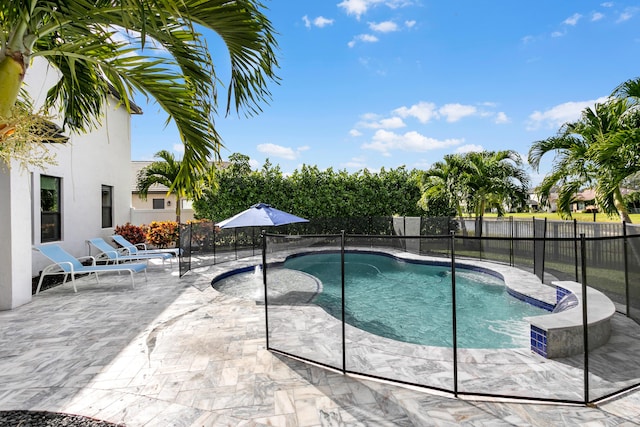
pixel 175 352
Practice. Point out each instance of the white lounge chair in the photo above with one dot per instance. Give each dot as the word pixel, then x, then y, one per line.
pixel 141 248
pixel 67 264
pixel 111 254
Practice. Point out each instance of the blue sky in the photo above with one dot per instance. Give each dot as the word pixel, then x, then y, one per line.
pixel 387 83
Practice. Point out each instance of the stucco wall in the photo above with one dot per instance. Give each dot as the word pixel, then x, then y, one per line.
pixel 85 163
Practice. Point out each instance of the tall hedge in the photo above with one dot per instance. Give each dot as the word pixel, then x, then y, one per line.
pixel 310 192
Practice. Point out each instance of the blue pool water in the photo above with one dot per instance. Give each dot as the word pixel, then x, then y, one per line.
pixel 412 302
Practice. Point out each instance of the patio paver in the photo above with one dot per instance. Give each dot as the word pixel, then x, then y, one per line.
pixel 175 352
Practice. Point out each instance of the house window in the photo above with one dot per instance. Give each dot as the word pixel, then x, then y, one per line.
pixel 50 209
pixel 158 203
pixel 107 206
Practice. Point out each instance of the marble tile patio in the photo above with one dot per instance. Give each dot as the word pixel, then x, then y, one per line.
pixel 175 352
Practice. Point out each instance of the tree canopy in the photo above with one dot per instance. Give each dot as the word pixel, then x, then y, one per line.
pixel 600 150
pixel 122 47
pixel 310 192
pixel 475 181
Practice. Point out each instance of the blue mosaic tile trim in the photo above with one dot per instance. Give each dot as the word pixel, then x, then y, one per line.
pixel 529 300
pixel 539 341
pixel 560 293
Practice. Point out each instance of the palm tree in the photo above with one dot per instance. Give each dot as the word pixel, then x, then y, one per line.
pixel 441 185
pixel 480 179
pixel 495 179
pixel 164 172
pixel 629 89
pixel 599 151
pixel 152 47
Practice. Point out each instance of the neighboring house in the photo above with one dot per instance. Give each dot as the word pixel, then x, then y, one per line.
pixel 86 194
pixel 585 201
pixel 551 204
pixel 158 206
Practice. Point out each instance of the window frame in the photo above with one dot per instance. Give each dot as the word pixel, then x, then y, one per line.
pixel 154 201
pixel 106 208
pixel 51 218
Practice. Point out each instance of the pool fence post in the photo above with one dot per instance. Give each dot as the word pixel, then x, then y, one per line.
pixel 213 227
pixel 585 332
pixel 626 267
pixel 190 243
pixel 575 245
pixel 344 345
pixel 453 310
pixel 511 257
pixel 544 248
pixel 264 282
pixel 404 232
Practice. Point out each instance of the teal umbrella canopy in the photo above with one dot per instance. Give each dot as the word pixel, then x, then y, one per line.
pixel 260 215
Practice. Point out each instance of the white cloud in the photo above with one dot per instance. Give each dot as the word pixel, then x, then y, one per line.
pixel 560 114
pixel 625 16
pixel 360 7
pixel 356 7
pixel 385 141
pixel 319 22
pixel 354 163
pixel 366 38
pixel 455 112
pixel 469 148
pixel 388 123
pixel 573 19
pixel 280 151
pixel 370 116
pixel 254 164
pixel 557 34
pixel 528 39
pixel 355 133
pixel 596 16
pixel 423 111
pixel 383 27
pixel 502 118
pixel 607 4
pixel 410 24
pixel 369 38
pixel 392 123
pixel 178 148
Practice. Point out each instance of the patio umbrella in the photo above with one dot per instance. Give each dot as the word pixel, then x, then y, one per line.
pixel 260 215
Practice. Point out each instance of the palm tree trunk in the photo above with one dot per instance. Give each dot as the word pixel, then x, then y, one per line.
pixel 11 75
pixel 178 209
pixel 618 202
pixel 463 224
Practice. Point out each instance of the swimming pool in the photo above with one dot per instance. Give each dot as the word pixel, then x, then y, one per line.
pixel 411 301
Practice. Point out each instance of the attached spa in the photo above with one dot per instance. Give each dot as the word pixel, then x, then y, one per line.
pixel 560 333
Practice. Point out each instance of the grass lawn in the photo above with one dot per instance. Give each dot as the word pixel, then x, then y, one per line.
pixel 581 217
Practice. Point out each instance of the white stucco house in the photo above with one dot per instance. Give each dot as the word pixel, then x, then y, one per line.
pixel 86 194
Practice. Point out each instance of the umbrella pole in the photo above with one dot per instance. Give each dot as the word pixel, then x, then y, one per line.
pixel 235 241
pixel 264 282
